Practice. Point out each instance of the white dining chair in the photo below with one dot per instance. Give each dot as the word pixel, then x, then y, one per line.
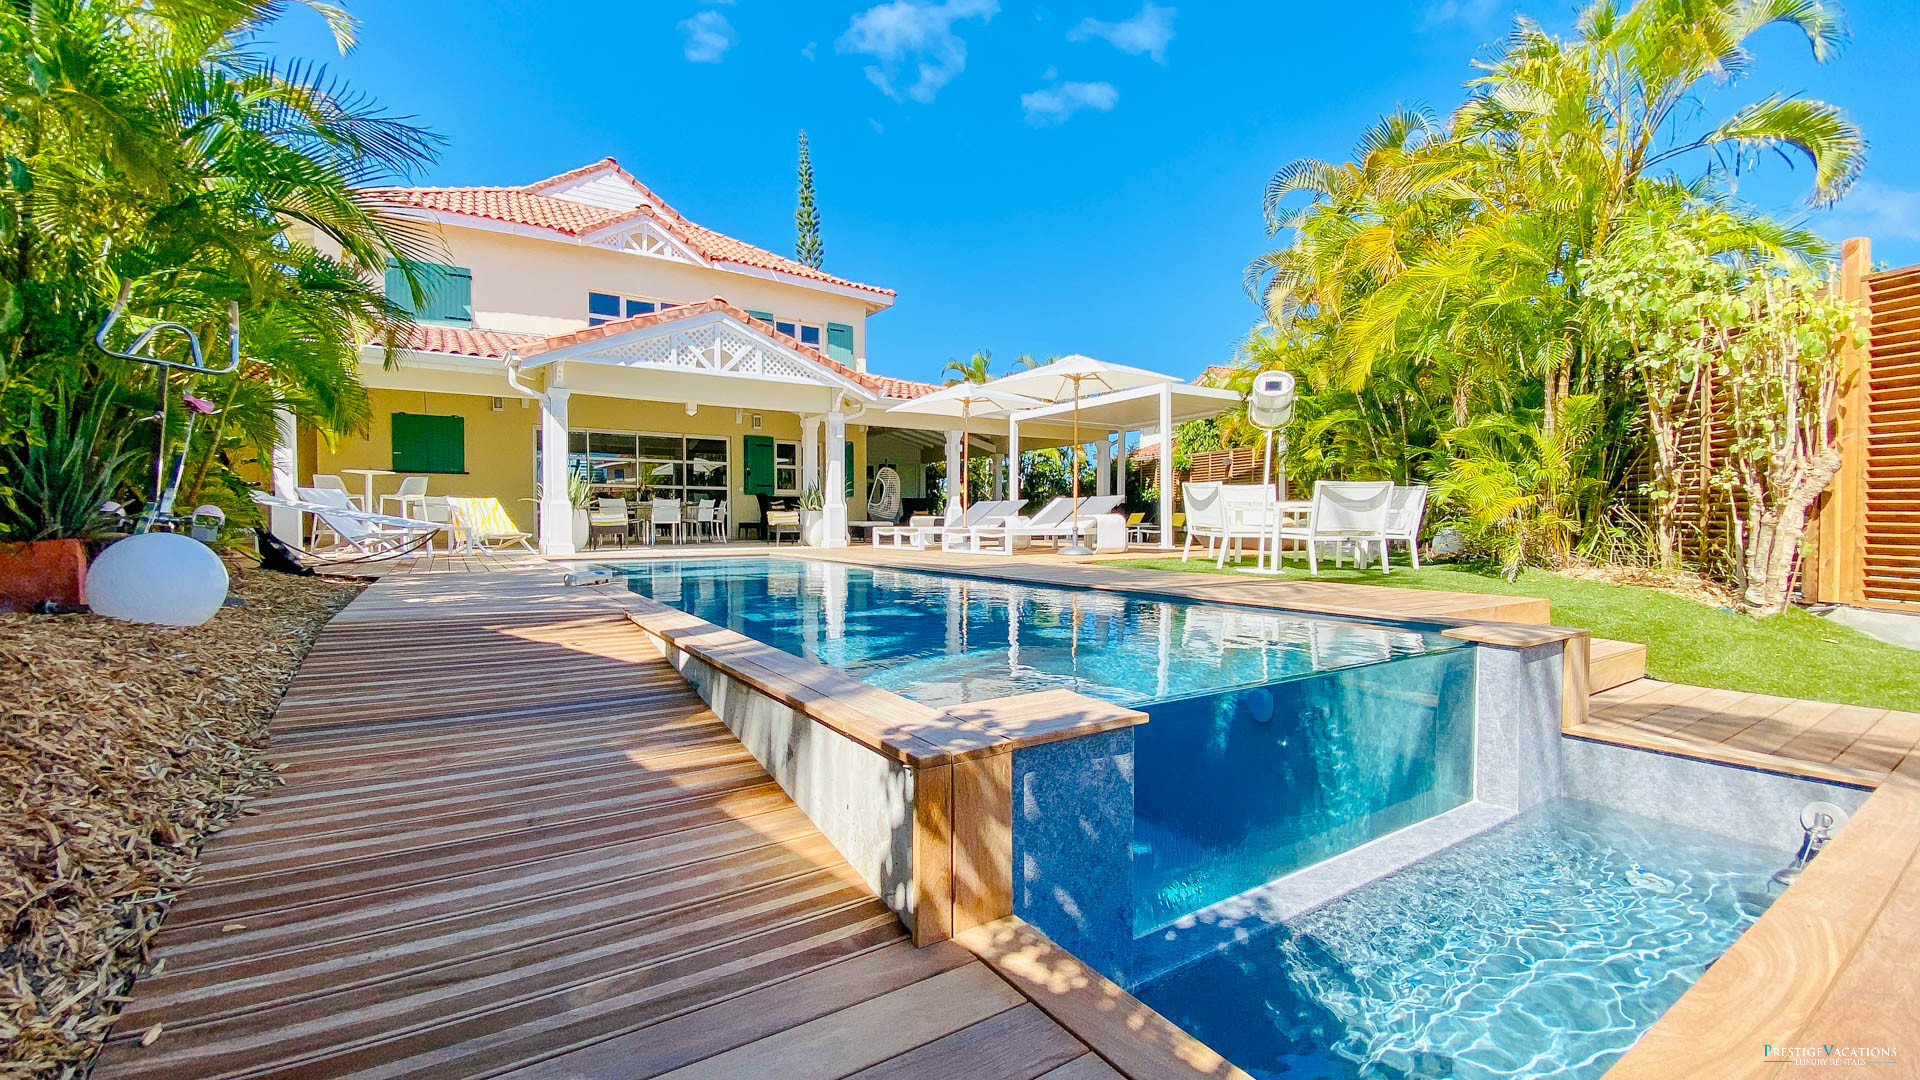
pixel 332 482
pixel 1346 514
pixel 666 515
pixel 706 520
pixel 1405 513
pixel 412 494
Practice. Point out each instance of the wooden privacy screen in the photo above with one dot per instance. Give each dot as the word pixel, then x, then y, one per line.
pixel 1866 531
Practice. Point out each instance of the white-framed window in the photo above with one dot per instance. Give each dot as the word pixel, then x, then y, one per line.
pixel 656 464
pixel 606 306
pixel 806 333
pixel 786 468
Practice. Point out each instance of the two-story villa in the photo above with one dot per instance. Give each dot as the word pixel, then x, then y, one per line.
pixel 668 359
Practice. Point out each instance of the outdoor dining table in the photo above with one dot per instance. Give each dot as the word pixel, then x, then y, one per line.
pixel 367 476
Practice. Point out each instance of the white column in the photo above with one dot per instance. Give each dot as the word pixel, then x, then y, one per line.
pixel 999 479
pixel 836 480
pixel 556 512
pixel 1120 466
pixel 1013 458
pixel 1166 466
pixel 956 461
pixel 282 522
pixel 809 452
pixel 1103 466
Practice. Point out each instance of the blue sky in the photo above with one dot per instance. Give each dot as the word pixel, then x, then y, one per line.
pixel 1073 176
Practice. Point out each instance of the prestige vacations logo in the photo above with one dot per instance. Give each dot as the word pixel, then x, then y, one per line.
pixel 1830 1055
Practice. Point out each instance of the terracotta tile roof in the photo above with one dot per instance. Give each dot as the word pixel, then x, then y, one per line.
pixel 883 385
pixel 1218 375
pixel 530 205
pixel 460 341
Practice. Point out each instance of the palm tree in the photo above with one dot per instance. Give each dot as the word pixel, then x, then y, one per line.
pixel 975 369
pixel 146 143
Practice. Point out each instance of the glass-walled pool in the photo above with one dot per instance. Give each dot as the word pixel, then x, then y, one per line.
pixel 1275 740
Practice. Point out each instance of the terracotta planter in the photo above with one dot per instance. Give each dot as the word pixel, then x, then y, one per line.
pixel 41 570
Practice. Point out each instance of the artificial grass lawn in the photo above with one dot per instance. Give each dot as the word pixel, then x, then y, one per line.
pixel 1792 655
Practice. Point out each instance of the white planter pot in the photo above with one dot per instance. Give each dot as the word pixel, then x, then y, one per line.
pixel 581 532
pixel 813 528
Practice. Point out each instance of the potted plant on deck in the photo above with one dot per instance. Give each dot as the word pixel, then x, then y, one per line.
pixel 579 496
pixel 54 489
pixel 813 518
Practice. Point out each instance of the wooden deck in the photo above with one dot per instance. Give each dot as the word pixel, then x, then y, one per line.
pixel 1847 744
pixel 513 843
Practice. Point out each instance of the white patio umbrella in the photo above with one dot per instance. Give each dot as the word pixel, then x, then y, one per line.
pixel 967 400
pixel 1069 378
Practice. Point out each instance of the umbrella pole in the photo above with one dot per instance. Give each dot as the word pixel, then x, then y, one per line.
pixel 966 412
pixel 1073 462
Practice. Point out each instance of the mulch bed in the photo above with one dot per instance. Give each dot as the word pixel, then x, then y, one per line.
pixel 122 748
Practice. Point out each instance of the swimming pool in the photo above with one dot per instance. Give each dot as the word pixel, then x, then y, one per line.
pixel 1275 740
pixel 1543 947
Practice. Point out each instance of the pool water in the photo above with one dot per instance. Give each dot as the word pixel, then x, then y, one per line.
pixel 1275 740
pixel 1543 947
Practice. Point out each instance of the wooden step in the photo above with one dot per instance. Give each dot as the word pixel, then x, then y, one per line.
pixel 1614 663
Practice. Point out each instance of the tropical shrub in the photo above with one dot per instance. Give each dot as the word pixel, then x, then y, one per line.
pixel 61 475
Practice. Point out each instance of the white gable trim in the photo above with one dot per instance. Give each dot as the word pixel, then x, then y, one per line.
pixel 714 343
pixel 647 237
pixel 603 187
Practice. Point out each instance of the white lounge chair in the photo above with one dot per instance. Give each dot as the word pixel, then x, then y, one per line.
pixel 924 530
pixel 332 482
pixel 484 525
pixel 1405 512
pixel 1345 513
pixel 352 527
pixel 1062 519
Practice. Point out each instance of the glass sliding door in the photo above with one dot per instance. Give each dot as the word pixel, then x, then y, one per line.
pixel 649 464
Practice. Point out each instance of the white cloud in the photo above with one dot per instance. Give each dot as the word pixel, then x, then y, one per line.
pixel 1474 13
pixel 915 36
pixel 808 50
pixel 1057 104
pixel 1147 32
pixel 878 127
pixel 1875 211
pixel 709 36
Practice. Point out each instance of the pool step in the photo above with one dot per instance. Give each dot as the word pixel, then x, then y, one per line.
pixel 1614 663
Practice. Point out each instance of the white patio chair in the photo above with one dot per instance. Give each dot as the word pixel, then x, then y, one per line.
pixel 412 494
pixel 1405 513
pixel 607 515
pixel 1061 519
pixel 331 482
pixel 1345 513
pixel 666 515
pixel 1009 530
pixel 351 527
pixel 706 520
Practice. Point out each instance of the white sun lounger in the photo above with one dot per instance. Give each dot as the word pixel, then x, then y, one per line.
pixel 1058 520
pixel 365 533
pixel 925 530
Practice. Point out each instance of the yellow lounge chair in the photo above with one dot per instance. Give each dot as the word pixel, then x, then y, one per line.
pixel 484 526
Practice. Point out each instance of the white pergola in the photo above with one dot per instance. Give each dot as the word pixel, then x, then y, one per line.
pixel 1122 412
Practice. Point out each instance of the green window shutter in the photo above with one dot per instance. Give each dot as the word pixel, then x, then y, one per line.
pixel 840 343
pixel 429 444
pixel 763 316
pixel 849 448
pixel 758 479
pixel 446 293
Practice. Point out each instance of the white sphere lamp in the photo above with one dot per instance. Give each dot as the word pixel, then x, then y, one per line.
pixel 157 577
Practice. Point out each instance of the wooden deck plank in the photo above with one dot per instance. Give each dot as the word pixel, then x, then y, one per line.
pixel 511 837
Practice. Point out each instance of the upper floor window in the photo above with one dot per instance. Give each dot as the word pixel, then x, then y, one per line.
pixel 606 307
pixel 808 334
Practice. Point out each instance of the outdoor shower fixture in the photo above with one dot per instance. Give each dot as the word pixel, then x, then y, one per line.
pixel 163 577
